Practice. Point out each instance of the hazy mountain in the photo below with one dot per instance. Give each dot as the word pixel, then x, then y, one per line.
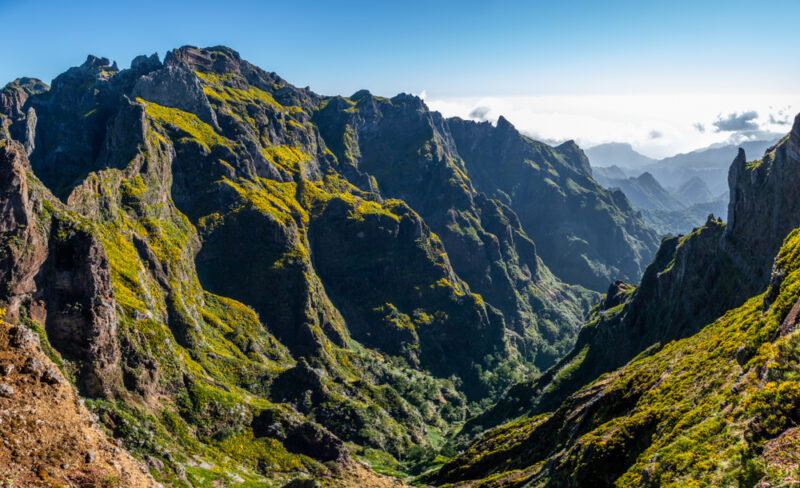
pixel 644 192
pixel 617 154
pixel 694 191
pixel 684 220
pixel 708 164
pixel 604 173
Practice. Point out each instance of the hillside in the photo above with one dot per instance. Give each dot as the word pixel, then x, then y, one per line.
pixel 709 395
pixel 49 437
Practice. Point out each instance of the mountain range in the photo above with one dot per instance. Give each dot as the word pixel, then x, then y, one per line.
pixel 239 272
pixel 669 213
pixel 212 277
pixel 709 164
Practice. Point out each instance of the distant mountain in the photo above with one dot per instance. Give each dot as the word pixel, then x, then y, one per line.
pixel 694 191
pixel 644 192
pixel 709 164
pixel 668 213
pixel 605 173
pixel 619 154
pixel 679 191
pixel 675 222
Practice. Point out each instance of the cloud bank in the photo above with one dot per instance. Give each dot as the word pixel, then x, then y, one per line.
pixel 657 126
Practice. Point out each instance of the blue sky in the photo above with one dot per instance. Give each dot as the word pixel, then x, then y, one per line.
pixel 448 50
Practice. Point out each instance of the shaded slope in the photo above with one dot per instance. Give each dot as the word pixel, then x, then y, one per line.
pixel 585 234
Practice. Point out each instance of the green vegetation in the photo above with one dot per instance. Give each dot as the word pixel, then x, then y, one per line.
pixel 185 122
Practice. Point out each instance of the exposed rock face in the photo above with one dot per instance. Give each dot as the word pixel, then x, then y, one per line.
pixel 178 87
pixel 778 176
pixel 15 121
pixel 60 276
pixel 46 430
pixel 75 284
pixel 24 246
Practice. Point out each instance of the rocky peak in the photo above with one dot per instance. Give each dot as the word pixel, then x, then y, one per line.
pixel 363 93
pixel 220 59
pixel 14 96
pixel 410 100
pixel 576 157
pixel 94 62
pixel 794 136
pixel 504 125
pixel 145 64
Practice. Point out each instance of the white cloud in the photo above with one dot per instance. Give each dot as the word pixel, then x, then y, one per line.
pixel 595 119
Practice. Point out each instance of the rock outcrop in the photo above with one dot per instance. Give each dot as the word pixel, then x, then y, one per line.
pixel 49 438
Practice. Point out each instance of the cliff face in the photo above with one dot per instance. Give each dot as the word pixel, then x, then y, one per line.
pixel 686 375
pixel 257 273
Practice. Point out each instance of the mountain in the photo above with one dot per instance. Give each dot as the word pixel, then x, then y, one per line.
pixel 644 192
pixel 687 378
pixel 694 191
pixel 708 164
pixel 619 154
pixel 600 173
pixel 666 212
pixel 558 203
pixel 683 221
pixel 253 283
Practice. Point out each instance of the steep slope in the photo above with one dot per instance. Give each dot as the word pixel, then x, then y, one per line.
pixel 253 282
pixel 49 438
pixel 644 192
pixel 585 234
pixel 403 151
pixel 716 409
pixel 693 280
